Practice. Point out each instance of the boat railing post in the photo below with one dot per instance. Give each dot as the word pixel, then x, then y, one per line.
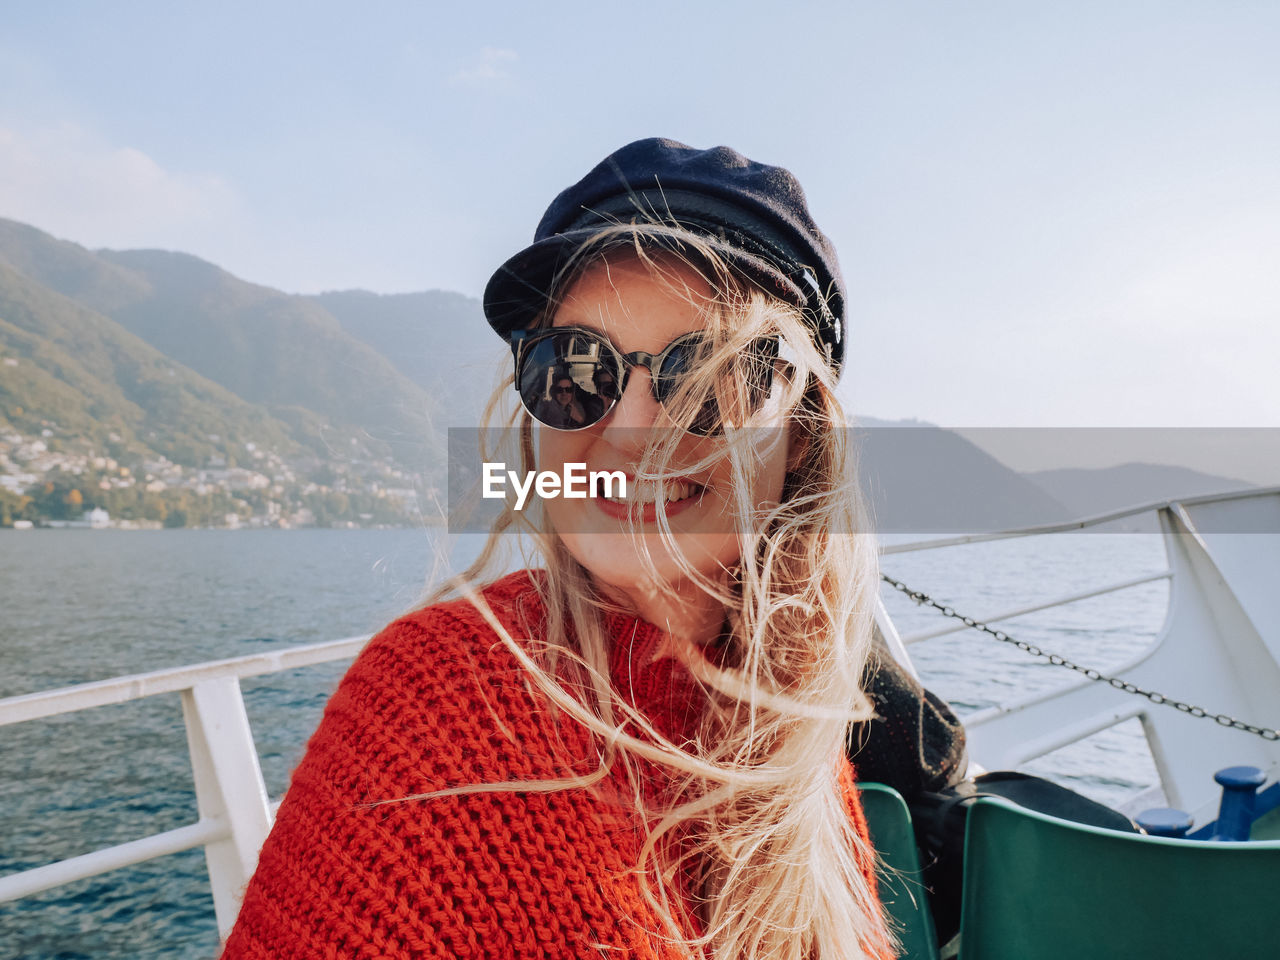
pixel 1235 813
pixel 229 787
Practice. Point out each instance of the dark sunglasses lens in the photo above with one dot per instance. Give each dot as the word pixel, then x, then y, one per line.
pixel 680 360
pixel 583 360
pixel 744 385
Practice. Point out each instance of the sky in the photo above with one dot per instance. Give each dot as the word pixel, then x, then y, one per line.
pixel 1048 214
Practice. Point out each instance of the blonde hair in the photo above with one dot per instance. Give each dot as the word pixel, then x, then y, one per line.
pixel 757 800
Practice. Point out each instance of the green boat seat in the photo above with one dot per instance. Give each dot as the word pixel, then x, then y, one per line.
pixel 901 890
pixel 1036 887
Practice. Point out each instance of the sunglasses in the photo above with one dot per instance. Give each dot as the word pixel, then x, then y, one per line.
pixel 601 370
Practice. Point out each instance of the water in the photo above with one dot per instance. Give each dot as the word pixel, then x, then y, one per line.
pixel 972 671
pixel 88 605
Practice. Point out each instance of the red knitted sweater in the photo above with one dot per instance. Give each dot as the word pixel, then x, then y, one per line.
pixel 436 701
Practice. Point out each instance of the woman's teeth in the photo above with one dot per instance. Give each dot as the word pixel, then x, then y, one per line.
pixel 648 493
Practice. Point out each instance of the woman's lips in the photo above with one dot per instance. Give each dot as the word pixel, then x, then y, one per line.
pixel 640 505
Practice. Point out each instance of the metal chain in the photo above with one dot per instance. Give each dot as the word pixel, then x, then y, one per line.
pixel 1222 719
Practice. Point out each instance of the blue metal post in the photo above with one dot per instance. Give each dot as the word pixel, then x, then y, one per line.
pixel 1235 814
pixel 1164 822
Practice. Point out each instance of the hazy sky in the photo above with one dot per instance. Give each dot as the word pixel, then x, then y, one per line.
pixel 1048 213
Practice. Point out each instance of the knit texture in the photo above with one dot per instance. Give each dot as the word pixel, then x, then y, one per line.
pixel 437 701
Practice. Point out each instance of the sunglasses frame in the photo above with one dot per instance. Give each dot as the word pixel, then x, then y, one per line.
pixel 523 342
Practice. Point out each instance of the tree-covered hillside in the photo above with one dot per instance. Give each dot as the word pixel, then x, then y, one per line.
pixel 69 368
pixel 284 353
pixel 161 388
pixel 436 338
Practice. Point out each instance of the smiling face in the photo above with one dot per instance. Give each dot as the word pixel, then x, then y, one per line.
pixel 562 391
pixel 638 311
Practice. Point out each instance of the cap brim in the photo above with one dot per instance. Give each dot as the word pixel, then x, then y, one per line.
pixel 517 293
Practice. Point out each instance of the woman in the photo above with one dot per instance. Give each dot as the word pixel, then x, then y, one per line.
pixel 561 409
pixel 637 751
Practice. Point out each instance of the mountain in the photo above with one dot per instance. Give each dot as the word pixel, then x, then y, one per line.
pixel 1094 491
pixel 69 269
pixel 437 339
pixel 284 352
pixel 921 479
pixel 67 365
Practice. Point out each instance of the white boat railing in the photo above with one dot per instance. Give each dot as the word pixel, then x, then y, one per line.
pixel 235 814
pixel 1062 601
pixel 1222 631
pixel 1219 649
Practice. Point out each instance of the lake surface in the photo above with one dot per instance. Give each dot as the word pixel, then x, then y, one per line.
pixel 81 605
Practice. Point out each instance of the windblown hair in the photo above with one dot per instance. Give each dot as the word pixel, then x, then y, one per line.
pixel 756 811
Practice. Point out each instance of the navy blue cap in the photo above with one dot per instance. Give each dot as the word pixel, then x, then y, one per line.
pixel 753 214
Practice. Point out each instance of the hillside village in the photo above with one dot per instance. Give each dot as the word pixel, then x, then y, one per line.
pixel 45 482
pixel 144 389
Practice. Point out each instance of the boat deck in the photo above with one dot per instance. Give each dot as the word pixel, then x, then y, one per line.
pixel 1266 827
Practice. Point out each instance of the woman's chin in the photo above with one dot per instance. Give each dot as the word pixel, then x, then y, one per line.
pixel 649 562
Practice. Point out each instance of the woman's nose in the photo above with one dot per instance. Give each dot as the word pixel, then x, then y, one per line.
pixel 635 414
